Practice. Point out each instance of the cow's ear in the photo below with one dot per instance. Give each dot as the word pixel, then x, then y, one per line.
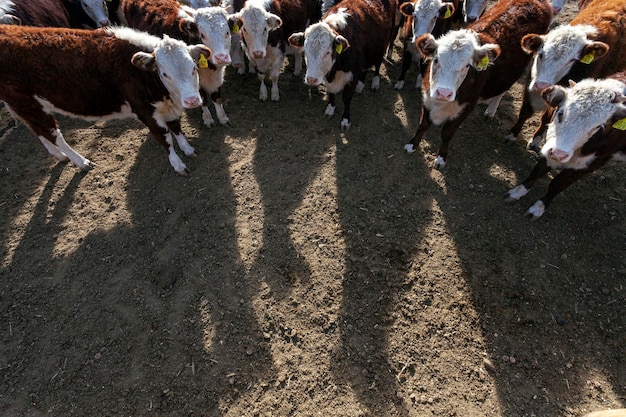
pixel 200 53
pixel 144 61
pixel 234 23
pixel 340 44
pixel 274 21
pixel 426 45
pixel 531 43
pixel 447 10
pixel 485 55
pixel 407 8
pixel 554 95
pixel 592 51
pixel 190 28
pixel 297 39
pixel 571 83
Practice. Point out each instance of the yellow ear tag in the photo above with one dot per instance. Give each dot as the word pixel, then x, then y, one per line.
pixel 202 62
pixel 483 63
pixel 235 28
pixel 587 59
pixel 339 48
pixel 448 13
pixel 620 124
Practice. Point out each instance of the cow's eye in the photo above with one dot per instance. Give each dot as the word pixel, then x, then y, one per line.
pixel 540 55
pixel 559 116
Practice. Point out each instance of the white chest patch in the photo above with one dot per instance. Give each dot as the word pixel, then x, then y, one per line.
pixel 442 111
pixel 339 82
pixel 166 111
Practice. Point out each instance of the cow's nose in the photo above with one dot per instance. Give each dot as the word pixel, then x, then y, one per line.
pixel 223 59
pixel 444 94
pixel 104 22
pixel 557 154
pixel 257 54
pixel 312 81
pixel 540 85
pixel 470 19
pixel 192 102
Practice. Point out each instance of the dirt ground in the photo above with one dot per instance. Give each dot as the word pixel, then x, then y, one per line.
pixel 303 271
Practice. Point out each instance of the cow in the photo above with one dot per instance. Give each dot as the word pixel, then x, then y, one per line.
pixel 473 9
pixel 588 129
pixel 424 16
pixel 265 29
pixel 591 45
pixel 210 25
pixel 352 36
pixel 237 54
pixel 56 13
pixel 99 74
pixel 197 4
pixel 477 63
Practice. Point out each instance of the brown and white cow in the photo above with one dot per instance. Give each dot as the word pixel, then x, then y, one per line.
pixel 99 74
pixel 474 64
pixel 588 130
pixel 424 16
pixel 56 13
pixel 591 45
pixel 352 36
pixel 210 25
pixel 265 29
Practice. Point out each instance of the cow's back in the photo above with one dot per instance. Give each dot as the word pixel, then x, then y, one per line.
pixel 295 14
pixel 87 64
pixel 42 13
pixel 505 24
pixel 157 17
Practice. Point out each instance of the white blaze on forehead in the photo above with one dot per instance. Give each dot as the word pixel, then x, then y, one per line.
pixel 455 51
pixel 97 11
pixel 425 14
pixel 318 44
pixel 561 47
pixel 587 106
pixel 214 30
pixel 338 20
pixel 177 69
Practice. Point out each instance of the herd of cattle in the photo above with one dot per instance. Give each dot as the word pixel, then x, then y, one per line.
pixel 152 59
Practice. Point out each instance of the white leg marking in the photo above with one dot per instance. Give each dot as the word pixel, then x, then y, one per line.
pixel 178 165
pixel 263 92
pixel 376 83
pixel 206 117
pixel 493 106
pixel 79 160
pixel 399 85
pixel 359 87
pixel 297 64
pixel 53 150
pixel 511 137
pixel 275 93
pixel 537 210
pixel 515 193
pixel 439 163
pixel 330 111
pixel 535 144
pixel 185 146
pixel 409 148
pixel 345 124
pixel 221 114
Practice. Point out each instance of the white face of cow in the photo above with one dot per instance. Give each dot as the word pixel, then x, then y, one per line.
pixel 97 11
pixel 473 9
pixel 175 63
pixel 581 111
pixel 452 56
pixel 560 49
pixel 215 33
pixel 257 23
pixel 425 15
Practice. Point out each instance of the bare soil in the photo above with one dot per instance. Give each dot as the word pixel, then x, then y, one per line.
pixel 305 271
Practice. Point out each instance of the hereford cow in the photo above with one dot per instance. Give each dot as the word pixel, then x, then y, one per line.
pixel 99 74
pixel 237 54
pixel 588 130
pixel 591 45
pixel 477 63
pixel 265 29
pixel 56 13
pixel 210 25
pixel 424 16
pixel 353 36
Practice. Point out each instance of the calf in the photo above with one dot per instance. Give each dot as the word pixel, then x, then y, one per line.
pixel 266 26
pixel 424 16
pixel 210 25
pixel 477 63
pixel 56 13
pixel 353 36
pixel 591 45
pixel 587 131
pixel 98 74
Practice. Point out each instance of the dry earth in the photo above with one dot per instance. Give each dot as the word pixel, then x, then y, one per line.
pixel 302 271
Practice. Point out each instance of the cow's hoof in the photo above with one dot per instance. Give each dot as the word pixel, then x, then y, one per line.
pixel 440 163
pixel 409 148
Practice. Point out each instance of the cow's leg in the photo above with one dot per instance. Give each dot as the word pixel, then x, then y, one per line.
pixel 330 108
pixel 420 132
pixel 376 79
pixel 546 117
pixel 525 113
pixel 263 87
pixel 448 130
pixel 216 97
pixel 541 168
pixel 407 60
pixel 207 119
pixel 493 105
pixel 274 76
pixel 346 96
pixel 185 146
pixel 46 128
pixel 563 180
pixel 164 137
pixel 297 61
pixel 361 81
